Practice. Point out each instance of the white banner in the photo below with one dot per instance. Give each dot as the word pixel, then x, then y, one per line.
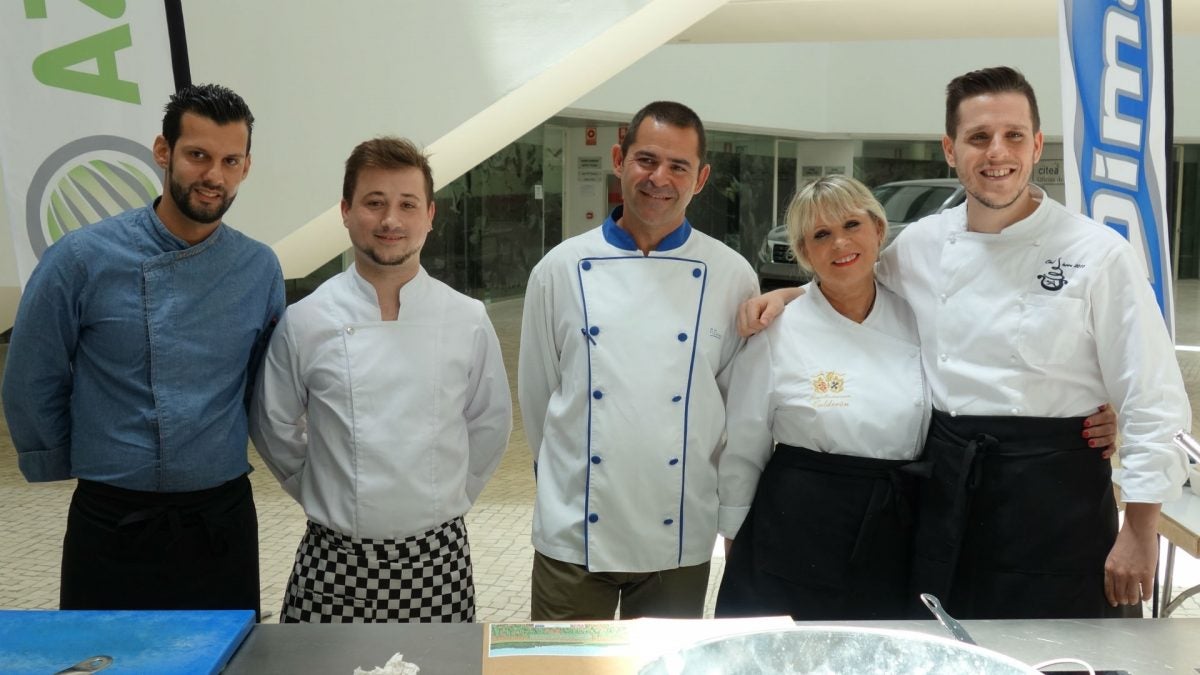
pixel 1115 83
pixel 81 96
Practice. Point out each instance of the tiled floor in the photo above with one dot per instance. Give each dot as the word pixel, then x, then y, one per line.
pixel 32 517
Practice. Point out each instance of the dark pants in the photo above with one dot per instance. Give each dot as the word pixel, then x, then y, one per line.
pixel 126 549
pixel 564 591
pixel 1016 521
pixel 827 538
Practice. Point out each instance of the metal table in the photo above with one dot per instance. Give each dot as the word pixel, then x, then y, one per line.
pixel 1179 522
pixel 1139 646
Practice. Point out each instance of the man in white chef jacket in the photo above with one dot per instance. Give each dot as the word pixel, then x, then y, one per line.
pixel 627 335
pixel 383 408
pixel 1030 316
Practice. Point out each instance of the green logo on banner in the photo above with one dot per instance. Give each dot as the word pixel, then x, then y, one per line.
pixel 85 181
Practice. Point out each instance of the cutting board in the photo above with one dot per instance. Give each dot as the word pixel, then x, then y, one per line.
pixel 159 642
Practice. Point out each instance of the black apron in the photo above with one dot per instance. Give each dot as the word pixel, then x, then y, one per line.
pixel 127 549
pixel 1015 521
pixel 827 538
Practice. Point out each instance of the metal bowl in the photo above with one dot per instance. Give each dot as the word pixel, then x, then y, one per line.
pixel 833 650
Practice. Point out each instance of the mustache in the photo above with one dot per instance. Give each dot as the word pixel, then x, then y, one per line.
pixel 654 191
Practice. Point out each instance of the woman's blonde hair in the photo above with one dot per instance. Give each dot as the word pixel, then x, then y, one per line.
pixel 828 198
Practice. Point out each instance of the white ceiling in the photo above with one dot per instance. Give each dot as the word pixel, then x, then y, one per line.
pixel 854 20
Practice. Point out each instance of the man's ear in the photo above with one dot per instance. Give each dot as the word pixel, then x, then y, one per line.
pixel 618 160
pixel 948 150
pixel 162 152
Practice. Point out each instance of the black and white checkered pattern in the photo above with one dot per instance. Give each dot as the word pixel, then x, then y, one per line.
pixel 342 579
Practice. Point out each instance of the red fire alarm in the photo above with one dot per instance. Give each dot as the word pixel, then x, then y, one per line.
pixel 590 136
pixel 590 215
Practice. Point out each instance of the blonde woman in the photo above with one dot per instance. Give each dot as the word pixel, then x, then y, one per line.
pixel 827 408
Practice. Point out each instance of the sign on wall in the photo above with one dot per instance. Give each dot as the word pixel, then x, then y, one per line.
pixel 1116 83
pixel 81 95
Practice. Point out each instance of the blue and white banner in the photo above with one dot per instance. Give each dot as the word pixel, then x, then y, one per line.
pixel 81 96
pixel 1116 80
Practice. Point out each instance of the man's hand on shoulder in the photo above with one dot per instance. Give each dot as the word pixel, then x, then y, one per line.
pixel 758 312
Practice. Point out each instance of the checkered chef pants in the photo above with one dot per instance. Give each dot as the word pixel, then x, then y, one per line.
pixel 342 579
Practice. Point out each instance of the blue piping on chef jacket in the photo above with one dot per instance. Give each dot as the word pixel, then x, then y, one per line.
pixel 618 237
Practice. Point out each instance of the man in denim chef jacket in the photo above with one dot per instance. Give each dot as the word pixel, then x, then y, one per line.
pixel 134 346
pixel 627 336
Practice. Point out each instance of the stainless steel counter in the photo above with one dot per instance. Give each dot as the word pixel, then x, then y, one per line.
pixel 1140 646
pixel 337 649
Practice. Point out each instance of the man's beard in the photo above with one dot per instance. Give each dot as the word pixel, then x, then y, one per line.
pixel 392 262
pixel 181 194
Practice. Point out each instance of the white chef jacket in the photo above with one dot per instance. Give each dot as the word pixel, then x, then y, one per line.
pixel 1050 317
pixel 622 373
pixel 815 379
pixel 382 429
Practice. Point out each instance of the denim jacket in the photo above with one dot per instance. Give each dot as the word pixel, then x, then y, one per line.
pixel 132 354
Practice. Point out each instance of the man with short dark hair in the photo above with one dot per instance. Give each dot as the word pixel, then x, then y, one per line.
pixel 383 408
pixel 1017 522
pixel 627 335
pixel 130 364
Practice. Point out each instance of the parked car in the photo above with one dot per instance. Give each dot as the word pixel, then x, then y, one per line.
pixel 905 202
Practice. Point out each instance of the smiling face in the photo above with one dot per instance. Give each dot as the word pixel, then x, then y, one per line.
pixel 388 218
pixel 842 251
pixel 201 174
pixel 660 173
pixel 993 152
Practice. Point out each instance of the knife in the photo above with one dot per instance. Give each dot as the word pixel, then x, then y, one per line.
pixel 89 665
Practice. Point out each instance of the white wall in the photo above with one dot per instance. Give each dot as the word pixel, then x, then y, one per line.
pixel 322 76
pixel 861 89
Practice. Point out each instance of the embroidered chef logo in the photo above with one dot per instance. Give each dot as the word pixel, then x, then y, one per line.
pixel 1054 278
pixel 829 390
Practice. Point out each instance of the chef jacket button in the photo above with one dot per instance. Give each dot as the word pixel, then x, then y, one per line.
pixel 918 401
pixel 952 239
pixel 1012 357
pixel 943 297
pixel 696 272
pixel 944 357
pixel 597 394
pixel 594 330
pixel 914 354
pixel 668 521
pixel 682 337
pixel 593 518
pixel 954 413
pixel 676 398
pixel 1016 411
pixel 1037 242
pixel 673 461
pixel 350 330
pixel 595 459
pixel 586 265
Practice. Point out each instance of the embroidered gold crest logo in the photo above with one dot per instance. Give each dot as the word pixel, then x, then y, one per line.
pixel 829 390
pixel 829 382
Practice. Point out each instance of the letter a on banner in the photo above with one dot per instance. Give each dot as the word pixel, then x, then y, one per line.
pixel 1116 81
pixel 81 96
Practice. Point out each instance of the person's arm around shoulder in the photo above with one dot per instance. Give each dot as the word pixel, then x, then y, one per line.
pixel 278 411
pixel 38 378
pixel 539 372
pixel 488 411
pixel 758 312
